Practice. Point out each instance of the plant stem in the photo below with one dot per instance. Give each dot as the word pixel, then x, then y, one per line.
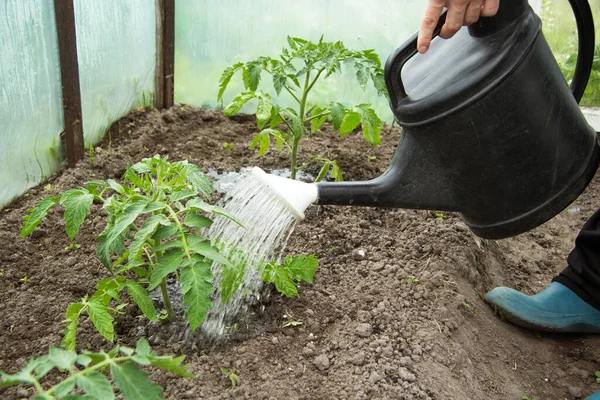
pixel 307 88
pixel 298 135
pixel 295 157
pixel 166 300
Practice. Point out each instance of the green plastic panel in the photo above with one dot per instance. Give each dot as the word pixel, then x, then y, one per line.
pixel 212 34
pixel 116 52
pixel 30 96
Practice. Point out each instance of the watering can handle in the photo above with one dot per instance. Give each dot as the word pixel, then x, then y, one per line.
pixel 400 57
pixel 586 46
pixel 583 68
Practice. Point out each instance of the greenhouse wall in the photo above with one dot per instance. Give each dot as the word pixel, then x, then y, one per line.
pixel 30 96
pixel 116 54
pixel 116 49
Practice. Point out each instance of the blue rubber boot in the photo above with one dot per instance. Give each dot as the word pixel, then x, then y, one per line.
pixel 554 309
pixel 595 396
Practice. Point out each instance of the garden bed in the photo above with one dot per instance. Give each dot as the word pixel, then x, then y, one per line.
pixel 395 310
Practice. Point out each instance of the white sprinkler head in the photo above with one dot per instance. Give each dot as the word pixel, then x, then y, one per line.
pixel 296 195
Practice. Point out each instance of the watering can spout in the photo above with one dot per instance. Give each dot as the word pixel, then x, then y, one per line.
pixel 295 195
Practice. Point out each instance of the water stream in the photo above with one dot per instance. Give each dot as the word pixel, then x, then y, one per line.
pixel 267 225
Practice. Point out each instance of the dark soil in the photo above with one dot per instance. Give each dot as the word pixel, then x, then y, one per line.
pixel 395 310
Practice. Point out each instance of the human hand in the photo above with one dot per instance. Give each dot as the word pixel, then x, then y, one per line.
pixel 460 13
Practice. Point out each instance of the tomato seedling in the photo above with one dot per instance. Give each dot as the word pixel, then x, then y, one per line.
pixel 154 229
pixel 296 72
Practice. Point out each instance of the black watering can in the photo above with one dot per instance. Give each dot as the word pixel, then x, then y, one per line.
pixel 490 128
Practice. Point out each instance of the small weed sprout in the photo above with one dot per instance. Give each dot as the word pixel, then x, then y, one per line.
pixel 597 376
pixel 290 322
pixel 231 375
pixel 412 279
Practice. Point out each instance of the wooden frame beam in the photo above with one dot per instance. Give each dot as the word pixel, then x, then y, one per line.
pixel 69 75
pixel 164 96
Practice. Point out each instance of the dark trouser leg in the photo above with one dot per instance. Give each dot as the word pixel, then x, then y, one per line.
pixel 582 275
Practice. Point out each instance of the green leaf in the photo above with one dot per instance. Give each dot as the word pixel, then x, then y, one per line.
pixel 362 75
pixel 63 359
pixel 263 141
pixel 45 366
pixel 350 122
pixel 251 75
pixel 280 276
pixel 43 396
pixel 323 172
pixel 144 234
pixel 113 238
pixel 83 360
pixel 23 376
pixel 128 351
pixel 231 279
pixel 171 364
pixel 131 176
pixel 337 115
pixel 238 102
pixel 167 263
pixel 173 244
pixel 199 205
pixel 154 206
pixel 298 129
pixel 70 332
pixel 134 383
pixel 101 319
pixel 317 123
pixel 371 124
pixel 292 43
pixel 336 173
pixel 202 246
pixel 195 220
pixel 197 289
pixel 165 231
pixel 263 110
pixel 141 298
pixel 117 187
pixel 199 181
pixel 63 388
pixel 279 81
pixel 108 288
pixel 142 347
pixel 77 206
pixel 226 78
pixel 96 385
pixel 182 194
pixel 36 215
pixel 379 84
pixel 302 267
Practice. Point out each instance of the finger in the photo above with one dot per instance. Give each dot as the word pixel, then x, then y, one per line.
pixel 490 8
pixel 454 19
pixel 473 11
pixel 428 23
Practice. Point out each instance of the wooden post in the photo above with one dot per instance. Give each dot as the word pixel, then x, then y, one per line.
pixel 69 74
pixel 165 54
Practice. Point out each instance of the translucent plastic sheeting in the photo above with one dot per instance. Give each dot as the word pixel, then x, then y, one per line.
pixel 116 51
pixel 212 34
pixel 30 96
